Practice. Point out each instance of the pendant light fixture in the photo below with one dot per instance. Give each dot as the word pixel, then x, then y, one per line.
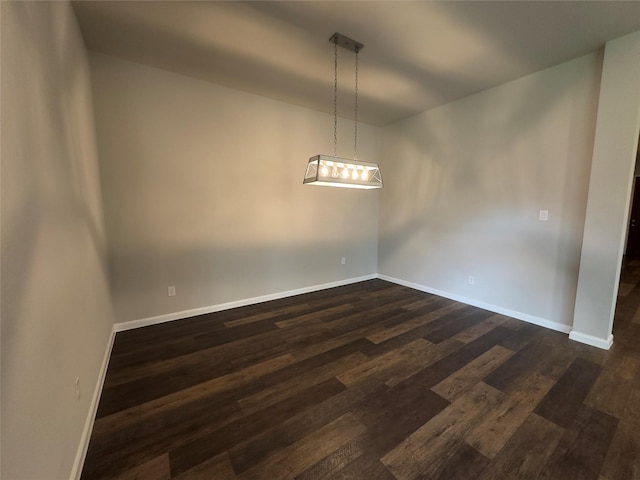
pixel 334 171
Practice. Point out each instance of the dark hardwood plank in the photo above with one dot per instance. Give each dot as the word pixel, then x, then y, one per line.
pixel 282 390
pixel 200 449
pixel 581 451
pixel 397 411
pixel 525 334
pixel 472 333
pixel 334 462
pixel 119 449
pixel 462 380
pixel 247 453
pixel 562 402
pixel 363 467
pixel 218 468
pixel 523 362
pixel 612 389
pixel 465 463
pixel 623 458
pixel 431 447
pixel 560 354
pixel 449 328
pixel 500 423
pixel 438 371
pixel 415 322
pixel 632 408
pixel 154 469
pixel 412 365
pixel 526 452
pixel 379 365
pixel 294 459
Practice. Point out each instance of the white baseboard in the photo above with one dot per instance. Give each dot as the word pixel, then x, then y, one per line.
pixel 169 317
pixel 81 454
pixel 485 306
pixel 591 340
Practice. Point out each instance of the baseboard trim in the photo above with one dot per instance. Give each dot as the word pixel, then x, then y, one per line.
pixel 169 317
pixel 81 454
pixel 605 344
pixel 543 322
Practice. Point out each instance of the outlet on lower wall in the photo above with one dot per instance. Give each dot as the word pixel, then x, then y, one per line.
pixel 543 216
pixel 471 280
pixel 171 291
pixel 343 260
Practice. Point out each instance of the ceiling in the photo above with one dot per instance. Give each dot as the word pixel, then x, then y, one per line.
pixel 417 55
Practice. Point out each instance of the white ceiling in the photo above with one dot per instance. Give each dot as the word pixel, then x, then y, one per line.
pixel 417 55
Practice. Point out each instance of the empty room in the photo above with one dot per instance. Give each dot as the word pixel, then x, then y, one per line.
pixel 376 240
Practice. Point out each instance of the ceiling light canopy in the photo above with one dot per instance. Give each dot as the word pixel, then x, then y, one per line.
pixel 334 171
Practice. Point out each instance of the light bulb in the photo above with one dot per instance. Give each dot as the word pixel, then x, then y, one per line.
pixel 354 175
pixel 345 173
pixel 334 172
pixel 324 171
pixel 364 175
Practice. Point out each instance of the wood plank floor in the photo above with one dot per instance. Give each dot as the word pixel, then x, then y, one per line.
pixel 370 381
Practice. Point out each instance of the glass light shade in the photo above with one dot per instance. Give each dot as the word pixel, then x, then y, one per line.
pixel 330 171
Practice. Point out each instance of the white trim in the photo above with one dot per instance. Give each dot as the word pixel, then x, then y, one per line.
pixel 543 322
pixel 591 340
pixel 169 317
pixel 81 454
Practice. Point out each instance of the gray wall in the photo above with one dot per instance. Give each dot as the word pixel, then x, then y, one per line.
pixel 203 190
pixel 465 183
pixel 56 314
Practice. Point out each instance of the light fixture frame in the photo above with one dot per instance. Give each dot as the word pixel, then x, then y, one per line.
pixel 335 169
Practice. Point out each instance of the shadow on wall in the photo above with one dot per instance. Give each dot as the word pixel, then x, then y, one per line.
pixel 56 182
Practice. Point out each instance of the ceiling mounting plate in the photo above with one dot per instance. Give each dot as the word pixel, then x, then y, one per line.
pixel 346 42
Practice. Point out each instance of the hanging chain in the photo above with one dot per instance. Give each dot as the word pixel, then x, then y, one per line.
pixel 355 133
pixel 335 99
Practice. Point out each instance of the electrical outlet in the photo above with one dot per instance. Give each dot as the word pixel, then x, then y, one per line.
pixel 544 215
pixel 471 280
pixel 171 291
pixel 76 384
pixel 343 260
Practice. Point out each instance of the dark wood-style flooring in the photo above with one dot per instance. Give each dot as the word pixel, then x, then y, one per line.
pixel 370 381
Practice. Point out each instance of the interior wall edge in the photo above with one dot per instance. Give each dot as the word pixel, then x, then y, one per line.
pixel 610 186
pixel 83 446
